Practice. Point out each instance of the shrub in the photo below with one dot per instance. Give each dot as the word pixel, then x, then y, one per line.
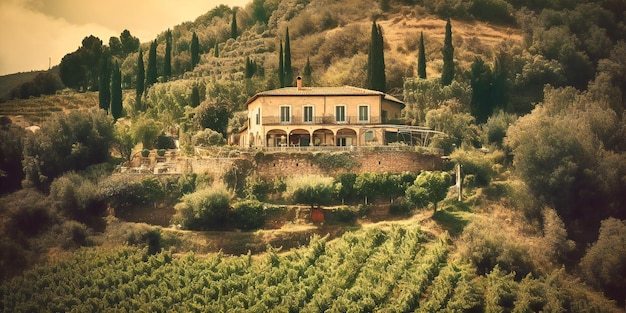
pixel 248 214
pixel 208 138
pixel 164 141
pixel 123 191
pixel 310 189
pixel 487 246
pixel 76 197
pixel 75 234
pixel 475 163
pixel 203 209
pixel 145 153
pixel 342 215
pixel 401 208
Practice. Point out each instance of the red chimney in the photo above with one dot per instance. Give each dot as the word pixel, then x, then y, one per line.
pixel 299 83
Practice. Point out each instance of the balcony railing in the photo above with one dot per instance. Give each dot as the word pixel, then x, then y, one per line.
pixel 319 120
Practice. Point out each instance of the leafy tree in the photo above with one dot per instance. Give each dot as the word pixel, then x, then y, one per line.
pixel 72 71
pixel 195 50
pixel 129 42
pixel 288 80
pixel 115 46
pixel 124 141
pixel 167 59
pixel 90 53
pixel 151 72
pixel 429 187
pixel 604 264
pixel 281 66
pixel 116 92
pixel 376 78
pixel 66 142
pixel 11 144
pixel 139 88
pixel 233 26
pixel 104 90
pixel 421 58
pixel 214 116
pixel 146 130
pixel 259 13
pixel 447 73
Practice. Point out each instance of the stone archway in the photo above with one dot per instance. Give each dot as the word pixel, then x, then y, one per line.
pixel 300 137
pixel 323 137
pixel 346 137
pixel 276 138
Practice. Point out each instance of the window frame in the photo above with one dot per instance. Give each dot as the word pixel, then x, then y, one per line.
pixel 343 120
pixel 285 119
pixel 304 114
pixel 367 113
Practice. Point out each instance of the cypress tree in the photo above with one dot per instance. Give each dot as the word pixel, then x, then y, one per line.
pixel 216 52
pixel 376 78
pixel 447 73
pixel 104 93
pixel 141 77
pixel 195 50
pixel 481 81
pixel 151 72
pixel 281 67
pixel 116 92
pixel 233 26
pixel 249 68
pixel 288 80
pixel 421 59
pixel 167 60
pixel 307 73
pixel 195 96
pixel 500 88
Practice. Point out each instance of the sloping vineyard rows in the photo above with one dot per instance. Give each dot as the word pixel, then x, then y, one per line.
pixel 400 269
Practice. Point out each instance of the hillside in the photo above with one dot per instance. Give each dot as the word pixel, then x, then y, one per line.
pixel 534 118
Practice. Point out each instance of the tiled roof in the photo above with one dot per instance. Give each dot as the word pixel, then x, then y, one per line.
pixel 324 91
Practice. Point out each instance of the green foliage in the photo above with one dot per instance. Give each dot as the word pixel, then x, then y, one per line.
pixel 494 130
pixel 429 187
pixel 233 26
pixel 382 185
pixel 248 214
pixel 487 247
pixel 562 150
pixel 164 141
pixel 421 96
pixel 104 87
pixel 604 263
pixel 421 58
pixel 123 192
pixel 140 81
pixel 401 208
pixel 12 140
pixel 332 161
pixel 151 70
pixel 344 186
pixel 497 11
pixel 310 189
pixel 477 163
pixel 376 78
pixel 447 73
pixel 76 197
pixel 203 209
pixel 235 176
pixel 213 116
pixel 167 58
pixel 116 92
pixel 208 138
pixel 79 69
pixel 124 141
pixel 67 142
pixel 45 83
pixel 342 215
pixel 146 131
pixel 460 128
pixel 288 79
pixel 195 50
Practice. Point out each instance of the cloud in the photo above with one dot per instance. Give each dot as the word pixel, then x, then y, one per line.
pixel 34 31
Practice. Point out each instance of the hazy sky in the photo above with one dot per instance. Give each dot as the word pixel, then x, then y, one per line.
pixel 32 31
